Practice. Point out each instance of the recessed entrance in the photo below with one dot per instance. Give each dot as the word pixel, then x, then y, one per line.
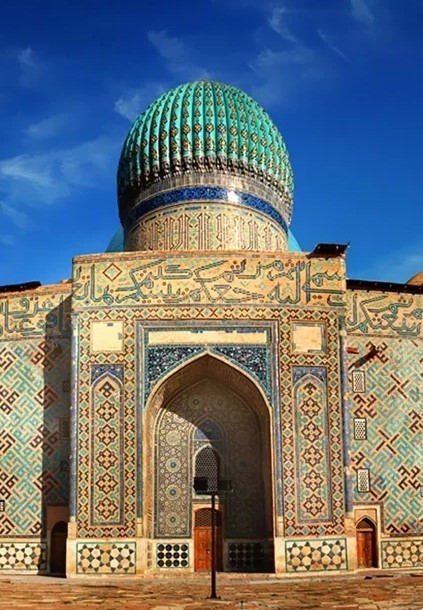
pixel 366 544
pixel 58 548
pixel 209 420
pixel 203 540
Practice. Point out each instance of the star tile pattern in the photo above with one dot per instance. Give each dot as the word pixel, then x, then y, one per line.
pixel 316 555
pixel 106 558
pixel 31 556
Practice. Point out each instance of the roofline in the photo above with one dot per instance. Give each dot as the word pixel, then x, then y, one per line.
pixel 383 286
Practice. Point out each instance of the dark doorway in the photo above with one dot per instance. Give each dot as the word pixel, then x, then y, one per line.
pixel 59 535
pixel 203 540
pixel 366 544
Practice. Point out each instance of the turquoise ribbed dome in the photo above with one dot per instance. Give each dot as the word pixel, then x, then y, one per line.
pixel 203 126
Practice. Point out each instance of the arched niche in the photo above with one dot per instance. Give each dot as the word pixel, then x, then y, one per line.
pixel 243 399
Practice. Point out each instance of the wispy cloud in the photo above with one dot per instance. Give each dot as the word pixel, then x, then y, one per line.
pixel 278 24
pixel 328 42
pixel 292 65
pixel 44 178
pixel 30 67
pixel 361 12
pixel 26 58
pixel 177 55
pixel 49 127
pixel 399 266
pixel 7 240
pixel 130 104
pixel 19 218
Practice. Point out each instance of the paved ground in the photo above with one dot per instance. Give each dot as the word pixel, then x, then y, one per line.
pixel 394 592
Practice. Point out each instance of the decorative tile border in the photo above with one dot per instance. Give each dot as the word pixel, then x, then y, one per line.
pixel 106 558
pixel 204 193
pixel 31 556
pixel 320 555
pixel 402 554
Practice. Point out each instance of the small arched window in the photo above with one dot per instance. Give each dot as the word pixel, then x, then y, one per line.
pixel 207 465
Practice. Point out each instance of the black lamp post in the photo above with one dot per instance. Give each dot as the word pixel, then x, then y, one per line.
pixel 201 487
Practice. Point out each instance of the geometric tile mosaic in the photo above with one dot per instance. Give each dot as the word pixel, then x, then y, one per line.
pixel 33 402
pixel 107 466
pixel 311 448
pixel 402 554
pixel 316 555
pixel 325 476
pixel 106 558
pixel 172 555
pixel 23 556
pixel 200 289
pixel 391 406
pixel 160 360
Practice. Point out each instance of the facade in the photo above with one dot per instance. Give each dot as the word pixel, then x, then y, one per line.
pixel 207 348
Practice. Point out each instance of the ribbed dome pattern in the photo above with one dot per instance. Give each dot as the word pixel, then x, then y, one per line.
pixel 202 126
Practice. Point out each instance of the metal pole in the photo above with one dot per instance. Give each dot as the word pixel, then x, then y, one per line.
pixel 213 594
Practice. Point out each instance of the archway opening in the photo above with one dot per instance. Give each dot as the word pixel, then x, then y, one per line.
pixel 366 544
pixel 58 548
pixel 210 419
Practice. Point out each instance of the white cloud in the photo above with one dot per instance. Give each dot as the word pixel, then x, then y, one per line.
pixel 268 59
pixel 176 54
pixel 361 12
pixel 399 266
pixel 135 101
pixel 19 218
pixel 30 67
pixel 48 128
pixel 46 177
pixel 331 46
pixel 278 25
pixel 26 58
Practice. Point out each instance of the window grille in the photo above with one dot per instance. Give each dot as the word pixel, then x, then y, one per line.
pixel 64 428
pixel 359 382
pixel 207 464
pixel 360 429
pixel 363 480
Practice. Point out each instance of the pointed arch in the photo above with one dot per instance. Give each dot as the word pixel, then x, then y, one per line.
pixel 182 384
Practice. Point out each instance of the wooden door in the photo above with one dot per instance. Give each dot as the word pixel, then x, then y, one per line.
pixel 203 540
pixel 366 544
pixel 58 548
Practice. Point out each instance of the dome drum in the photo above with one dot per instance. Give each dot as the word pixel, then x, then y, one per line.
pixel 217 143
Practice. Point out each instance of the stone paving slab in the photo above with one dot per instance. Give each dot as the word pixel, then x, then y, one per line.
pixel 397 592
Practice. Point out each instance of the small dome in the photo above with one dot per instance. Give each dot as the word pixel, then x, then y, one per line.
pixel 416 280
pixel 204 126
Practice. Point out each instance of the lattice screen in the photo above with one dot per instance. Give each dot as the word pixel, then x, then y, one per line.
pixel 207 464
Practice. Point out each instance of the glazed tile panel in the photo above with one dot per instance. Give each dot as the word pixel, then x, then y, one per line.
pixel 40 313
pixel 106 558
pixel 390 403
pixel 23 556
pixel 233 280
pixel 316 555
pixel 312 459
pixel 107 445
pixel 34 395
pixel 402 554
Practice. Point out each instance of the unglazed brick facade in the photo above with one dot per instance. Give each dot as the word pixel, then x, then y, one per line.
pixel 210 349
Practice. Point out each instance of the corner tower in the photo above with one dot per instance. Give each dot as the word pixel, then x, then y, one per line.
pixel 205 168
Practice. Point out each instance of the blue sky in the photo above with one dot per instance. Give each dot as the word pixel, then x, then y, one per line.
pixel 342 79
